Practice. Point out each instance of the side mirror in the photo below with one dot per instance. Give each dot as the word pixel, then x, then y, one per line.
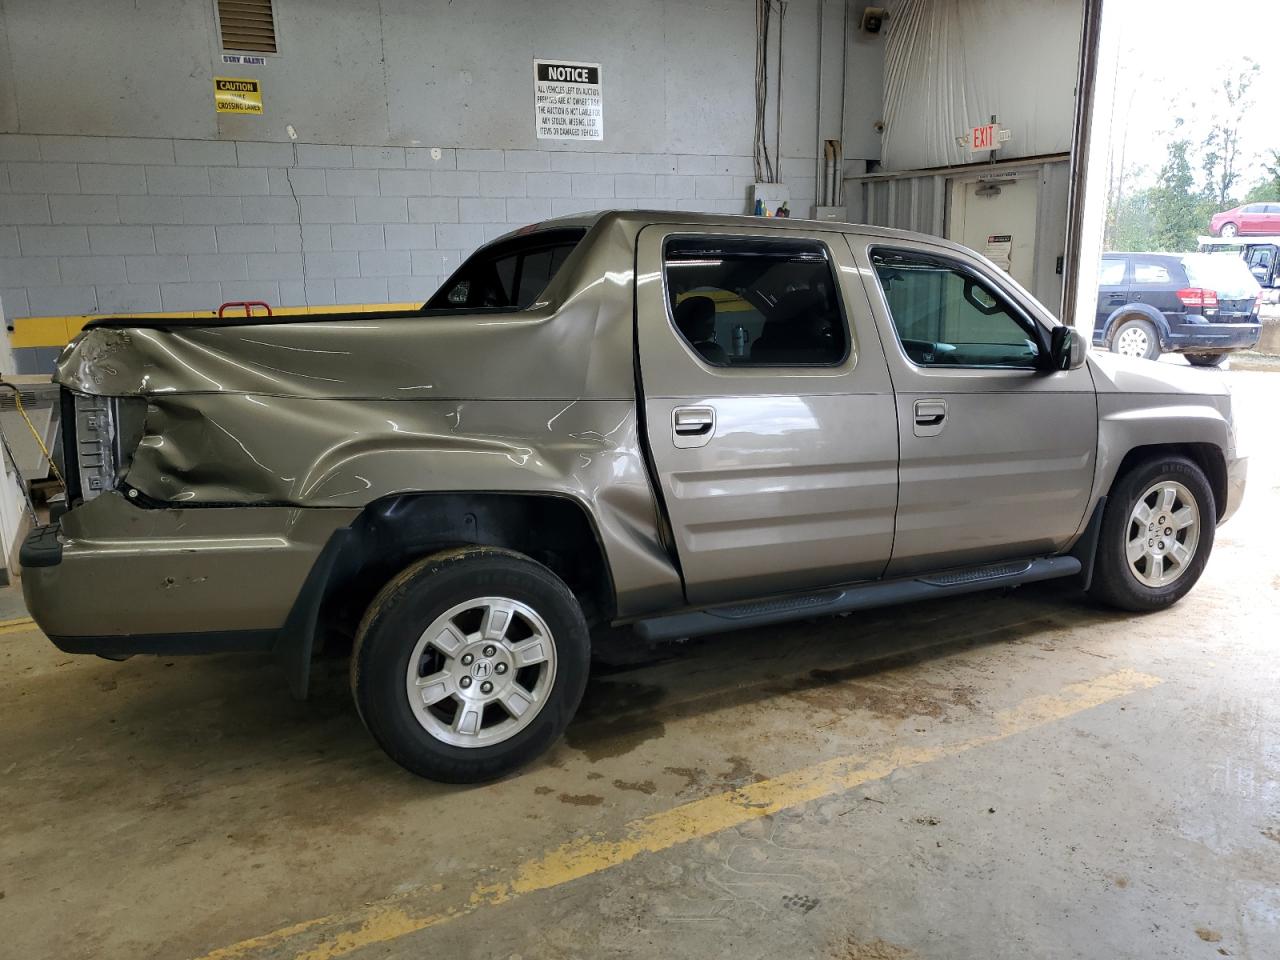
pixel 1066 349
pixel 1259 271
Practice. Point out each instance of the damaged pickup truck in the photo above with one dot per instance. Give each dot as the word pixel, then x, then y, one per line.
pixel 681 423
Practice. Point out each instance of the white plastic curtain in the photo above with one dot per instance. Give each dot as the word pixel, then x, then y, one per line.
pixel 952 64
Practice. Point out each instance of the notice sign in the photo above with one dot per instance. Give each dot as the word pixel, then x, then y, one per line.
pixel 1000 250
pixel 567 102
pixel 237 95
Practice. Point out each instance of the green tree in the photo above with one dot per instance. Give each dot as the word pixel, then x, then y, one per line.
pixel 1268 188
pixel 1179 211
pixel 1130 225
pixel 1221 147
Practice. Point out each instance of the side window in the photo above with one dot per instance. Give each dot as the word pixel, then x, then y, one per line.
pixel 1147 272
pixel 755 303
pixel 506 276
pixel 1111 273
pixel 946 316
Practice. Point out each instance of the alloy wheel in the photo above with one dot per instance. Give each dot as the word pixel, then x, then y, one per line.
pixel 1133 342
pixel 1163 533
pixel 481 672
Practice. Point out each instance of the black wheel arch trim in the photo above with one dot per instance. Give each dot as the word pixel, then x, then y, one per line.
pixel 1133 311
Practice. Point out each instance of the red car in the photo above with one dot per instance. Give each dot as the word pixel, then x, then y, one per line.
pixel 1251 218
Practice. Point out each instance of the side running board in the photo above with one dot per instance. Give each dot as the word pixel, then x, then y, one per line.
pixel 859 596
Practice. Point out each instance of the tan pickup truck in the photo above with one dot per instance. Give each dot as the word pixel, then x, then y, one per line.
pixel 682 423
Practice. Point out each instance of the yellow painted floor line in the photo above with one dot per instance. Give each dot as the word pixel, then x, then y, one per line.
pixel 326 938
pixel 15 626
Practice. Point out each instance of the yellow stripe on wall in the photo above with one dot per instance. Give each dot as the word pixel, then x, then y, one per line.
pixel 58 331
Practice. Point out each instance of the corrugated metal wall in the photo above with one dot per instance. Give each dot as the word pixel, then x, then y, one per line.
pixel 918 201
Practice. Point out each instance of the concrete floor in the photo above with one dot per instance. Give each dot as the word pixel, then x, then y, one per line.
pixel 986 777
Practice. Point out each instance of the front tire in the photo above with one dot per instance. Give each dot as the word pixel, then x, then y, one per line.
pixel 1157 533
pixel 1229 230
pixel 1206 359
pixel 1136 338
pixel 470 663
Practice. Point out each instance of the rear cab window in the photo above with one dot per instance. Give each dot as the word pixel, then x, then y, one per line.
pixel 755 302
pixel 508 275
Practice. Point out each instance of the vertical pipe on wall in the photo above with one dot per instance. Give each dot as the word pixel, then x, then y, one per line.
pixel 837 198
pixel 777 107
pixel 820 185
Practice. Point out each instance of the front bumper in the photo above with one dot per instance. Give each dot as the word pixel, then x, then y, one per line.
pixel 113 578
pixel 1237 468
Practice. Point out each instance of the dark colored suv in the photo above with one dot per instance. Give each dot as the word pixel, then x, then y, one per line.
pixel 1204 305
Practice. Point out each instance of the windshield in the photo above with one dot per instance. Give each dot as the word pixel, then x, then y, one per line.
pixel 1224 272
pixel 510 275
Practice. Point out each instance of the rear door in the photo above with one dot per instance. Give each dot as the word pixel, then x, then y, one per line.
pixel 1113 288
pixel 1253 218
pixel 1156 282
pixel 997 457
pixel 768 409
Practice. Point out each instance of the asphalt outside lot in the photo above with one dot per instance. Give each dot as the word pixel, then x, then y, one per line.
pixel 1016 775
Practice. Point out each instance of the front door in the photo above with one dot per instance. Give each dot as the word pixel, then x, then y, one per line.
pixel 997 457
pixel 768 409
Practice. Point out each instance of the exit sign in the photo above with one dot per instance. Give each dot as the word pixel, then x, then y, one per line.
pixel 989 136
pixel 983 138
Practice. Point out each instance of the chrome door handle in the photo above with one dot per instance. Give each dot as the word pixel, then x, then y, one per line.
pixel 931 416
pixel 692 426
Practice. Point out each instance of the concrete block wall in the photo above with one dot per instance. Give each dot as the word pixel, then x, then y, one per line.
pixel 127 225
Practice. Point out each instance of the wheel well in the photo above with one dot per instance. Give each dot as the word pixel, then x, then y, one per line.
pixel 392 532
pixel 1204 455
pixel 1124 318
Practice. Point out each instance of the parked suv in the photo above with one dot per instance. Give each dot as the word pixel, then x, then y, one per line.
pixel 1203 305
pixel 1251 218
pixel 682 423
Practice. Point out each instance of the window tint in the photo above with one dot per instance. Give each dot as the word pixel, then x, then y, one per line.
pixel 1148 272
pixel 506 276
pixel 1111 273
pixel 946 316
pixel 746 302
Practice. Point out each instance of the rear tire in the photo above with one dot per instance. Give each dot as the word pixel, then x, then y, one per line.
pixel 470 663
pixel 1136 338
pixel 1157 533
pixel 1206 359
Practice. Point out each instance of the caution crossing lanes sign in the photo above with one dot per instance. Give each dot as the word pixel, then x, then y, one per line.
pixel 237 95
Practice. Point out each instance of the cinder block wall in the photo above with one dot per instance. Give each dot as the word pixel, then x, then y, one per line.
pixel 123 190
pixel 106 225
